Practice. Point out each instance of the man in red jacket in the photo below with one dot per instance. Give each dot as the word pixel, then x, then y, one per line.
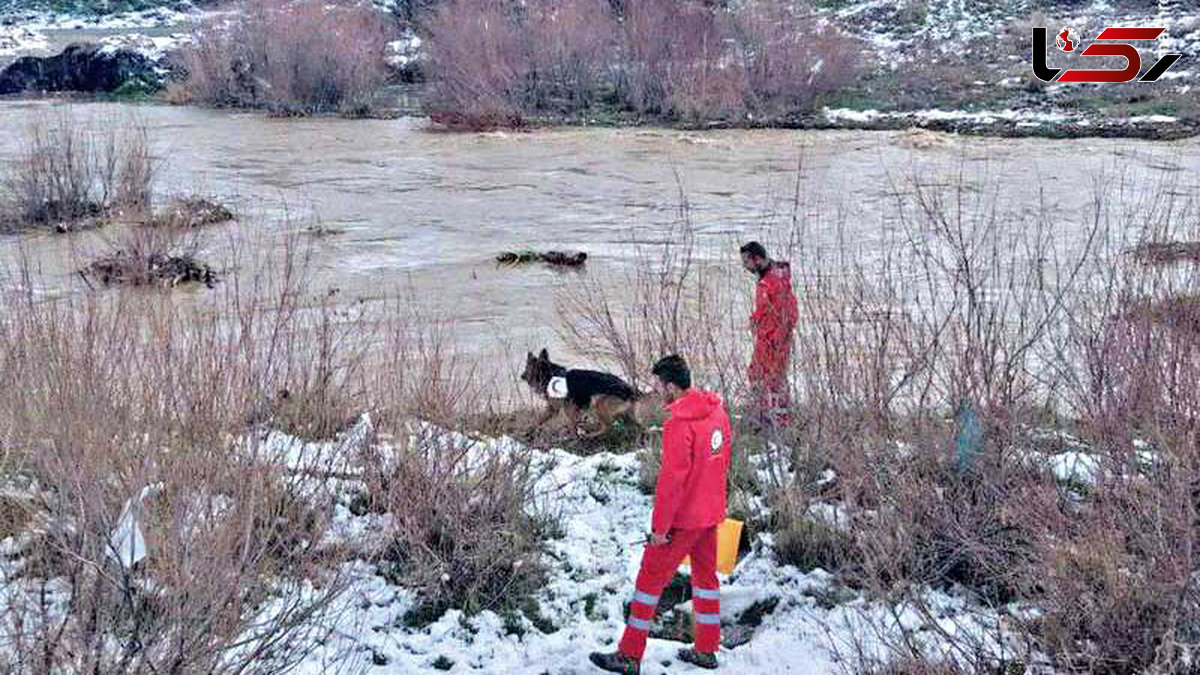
pixel 689 504
pixel 773 323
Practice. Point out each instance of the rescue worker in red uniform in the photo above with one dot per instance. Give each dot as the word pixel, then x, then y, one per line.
pixel 689 504
pixel 773 324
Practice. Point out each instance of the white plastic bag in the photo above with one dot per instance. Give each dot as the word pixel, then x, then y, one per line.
pixel 126 543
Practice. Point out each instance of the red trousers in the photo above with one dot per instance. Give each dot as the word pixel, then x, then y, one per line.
pixel 768 376
pixel 658 568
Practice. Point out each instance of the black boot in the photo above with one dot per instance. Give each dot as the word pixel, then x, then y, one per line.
pixel 616 662
pixel 698 659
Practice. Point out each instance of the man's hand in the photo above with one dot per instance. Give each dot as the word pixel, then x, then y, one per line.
pixel 659 539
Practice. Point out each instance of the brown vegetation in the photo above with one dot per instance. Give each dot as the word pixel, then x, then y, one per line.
pixel 288 57
pixel 191 212
pixel 73 172
pixel 495 63
pixel 1168 252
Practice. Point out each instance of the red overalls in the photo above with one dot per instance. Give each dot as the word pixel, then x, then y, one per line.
pixel 689 503
pixel 773 321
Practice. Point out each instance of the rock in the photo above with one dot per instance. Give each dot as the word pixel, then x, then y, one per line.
pixel 82 66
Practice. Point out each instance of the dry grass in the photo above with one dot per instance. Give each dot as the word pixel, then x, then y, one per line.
pixel 1166 253
pixel 497 63
pixel 288 57
pixel 464 538
pixel 126 391
pixel 71 171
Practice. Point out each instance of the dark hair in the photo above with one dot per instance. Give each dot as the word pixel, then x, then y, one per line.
pixel 673 370
pixel 754 249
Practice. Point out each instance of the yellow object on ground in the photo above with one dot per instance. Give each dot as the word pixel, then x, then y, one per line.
pixel 729 536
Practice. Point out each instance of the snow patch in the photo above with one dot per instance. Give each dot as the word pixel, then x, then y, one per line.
pixel 19 40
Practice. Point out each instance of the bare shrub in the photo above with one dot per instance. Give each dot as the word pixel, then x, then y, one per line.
pixel 657 309
pixel 571 43
pixel 673 60
pixel 463 537
pixel 321 400
pixel 791 58
pixel 71 169
pixel 1116 597
pixel 497 63
pixel 963 310
pixel 288 57
pixel 145 256
pixel 123 392
pixel 478 57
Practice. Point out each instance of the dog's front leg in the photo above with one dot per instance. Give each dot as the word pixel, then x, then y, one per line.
pixel 545 416
pixel 574 413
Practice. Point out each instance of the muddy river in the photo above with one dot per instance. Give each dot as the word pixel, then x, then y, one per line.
pixel 428 211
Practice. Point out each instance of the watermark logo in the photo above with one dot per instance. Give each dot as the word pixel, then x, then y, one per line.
pixel 1107 43
pixel 1063 40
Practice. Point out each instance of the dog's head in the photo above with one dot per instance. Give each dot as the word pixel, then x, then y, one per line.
pixel 538 370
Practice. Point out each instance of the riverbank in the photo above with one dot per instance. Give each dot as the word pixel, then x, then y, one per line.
pixel 912 74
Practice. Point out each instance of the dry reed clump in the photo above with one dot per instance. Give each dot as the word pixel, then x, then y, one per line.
pixel 1167 252
pixel 75 173
pixel 500 63
pixel 463 537
pixel 143 255
pixel 191 212
pixel 128 394
pixel 287 57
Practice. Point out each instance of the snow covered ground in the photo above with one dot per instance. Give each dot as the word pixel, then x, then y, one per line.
pixel 1033 118
pixel 152 32
pixel 158 17
pixel 18 40
pixel 811 622
pixel 593 564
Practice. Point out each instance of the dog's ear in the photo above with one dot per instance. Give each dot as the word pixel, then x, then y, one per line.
pixel 529 357
pixel 545 355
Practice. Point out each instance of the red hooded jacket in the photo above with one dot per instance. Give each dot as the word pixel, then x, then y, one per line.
pixel 775 311
pixel 774 319
pixel 695 461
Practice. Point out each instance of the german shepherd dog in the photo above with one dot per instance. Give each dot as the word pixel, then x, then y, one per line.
pixel 606 396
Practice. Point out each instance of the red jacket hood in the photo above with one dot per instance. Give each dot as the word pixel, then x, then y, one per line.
pixel 694 405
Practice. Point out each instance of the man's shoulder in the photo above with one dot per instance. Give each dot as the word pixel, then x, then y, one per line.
pixel 672 421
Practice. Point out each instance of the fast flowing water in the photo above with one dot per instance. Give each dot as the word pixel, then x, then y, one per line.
pixel 427 212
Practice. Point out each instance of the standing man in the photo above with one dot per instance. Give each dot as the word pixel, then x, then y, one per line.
pixel 689 504
pixel 773 324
